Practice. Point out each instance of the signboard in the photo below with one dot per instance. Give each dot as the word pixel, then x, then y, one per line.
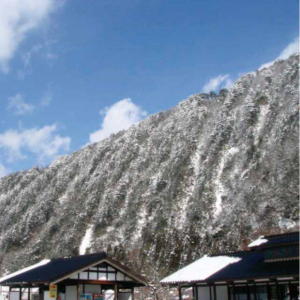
pixel 53 291
pixel 86 296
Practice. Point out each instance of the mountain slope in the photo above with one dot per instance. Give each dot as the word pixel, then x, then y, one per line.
pixel 196 179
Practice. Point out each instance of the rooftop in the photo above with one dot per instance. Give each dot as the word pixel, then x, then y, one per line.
pixel 259 263
pixel 49 271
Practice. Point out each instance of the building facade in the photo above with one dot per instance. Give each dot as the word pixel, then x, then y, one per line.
pixel 269 270
pixel 84 277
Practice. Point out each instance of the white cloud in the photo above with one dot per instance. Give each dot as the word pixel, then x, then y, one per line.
pixel 18 105
pixel 42 142
pixel 17 19
pixel 121 115
pixel 3 170
pixel 216 83
pixel 290 49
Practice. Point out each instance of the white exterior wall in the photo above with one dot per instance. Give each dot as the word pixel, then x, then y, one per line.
pixel 222 292
pixel 71 292
pixel 4 292
pixel 203 293
pixel 14 296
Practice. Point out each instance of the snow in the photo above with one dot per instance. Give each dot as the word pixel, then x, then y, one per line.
pixel 285 223
pixel 220 189
pixel 41 263
pixel 86 241
pixel 62 199
pixel 261 240
pixel 262 118
pixel 141 221
pixel 201 269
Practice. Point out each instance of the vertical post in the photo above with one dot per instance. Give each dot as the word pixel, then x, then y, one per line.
pixel 233 291
pixel 20 293
pixel 255 291
pixel 41 293
pixel 116 292
pixel 248 292
pixel 77 288
pixel 179 292
pixel 28 293
pixel 132 293
pixel 195 292
pixel 277 289
pixel 215 292
pixel 269 291
pixel 290 290
pixel 228 290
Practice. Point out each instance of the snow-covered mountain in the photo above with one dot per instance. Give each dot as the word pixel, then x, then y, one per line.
pixel 199 178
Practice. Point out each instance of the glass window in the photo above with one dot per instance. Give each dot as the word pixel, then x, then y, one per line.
pixel 93 275
pixel 283 292
pixel 111 276
pixel 241 292
pixel 102 276
pixel 261 293
pixel 238 293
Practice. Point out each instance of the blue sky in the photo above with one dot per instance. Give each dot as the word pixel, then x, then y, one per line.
pixel 74 71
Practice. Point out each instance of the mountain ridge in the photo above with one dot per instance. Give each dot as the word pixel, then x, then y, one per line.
pixel 201 177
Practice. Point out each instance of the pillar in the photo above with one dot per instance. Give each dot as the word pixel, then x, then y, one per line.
pixel 116 292
pixel 179 292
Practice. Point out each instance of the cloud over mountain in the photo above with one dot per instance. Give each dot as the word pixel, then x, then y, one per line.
pixel 121 115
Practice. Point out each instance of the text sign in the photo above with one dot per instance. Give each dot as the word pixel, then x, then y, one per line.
pixel 53 291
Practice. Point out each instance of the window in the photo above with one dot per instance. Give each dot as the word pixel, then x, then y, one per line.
pixel 241 292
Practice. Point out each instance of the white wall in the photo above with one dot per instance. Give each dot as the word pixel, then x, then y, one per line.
pixel 3 293
pixel 14 296
pixel 71 292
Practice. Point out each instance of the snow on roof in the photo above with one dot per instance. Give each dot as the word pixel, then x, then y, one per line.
pixel 41 263
pixel 201 269
pixel 261 240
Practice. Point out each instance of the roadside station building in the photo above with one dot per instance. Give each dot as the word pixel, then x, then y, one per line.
pixel 84 277
pixel 269 270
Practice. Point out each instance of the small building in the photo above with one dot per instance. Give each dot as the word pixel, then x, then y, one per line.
pixel 269 270
pixel 84 277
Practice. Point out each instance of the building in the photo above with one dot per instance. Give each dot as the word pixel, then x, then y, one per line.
pixel 269 270
pixel 84 277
